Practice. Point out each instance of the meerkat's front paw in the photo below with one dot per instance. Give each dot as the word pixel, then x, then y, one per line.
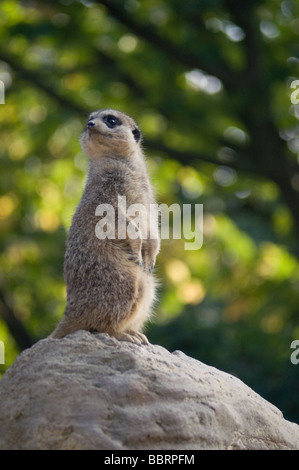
pixel 150 249
pixel 132 336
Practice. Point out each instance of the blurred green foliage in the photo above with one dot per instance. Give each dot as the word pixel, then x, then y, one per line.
pixel 209 84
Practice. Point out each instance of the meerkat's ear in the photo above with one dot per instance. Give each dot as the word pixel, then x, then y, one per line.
pixel 137 134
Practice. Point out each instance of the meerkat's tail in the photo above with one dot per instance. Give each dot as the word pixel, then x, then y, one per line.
pixel 65 327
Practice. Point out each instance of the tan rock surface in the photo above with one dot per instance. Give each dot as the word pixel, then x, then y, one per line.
pixel 90 391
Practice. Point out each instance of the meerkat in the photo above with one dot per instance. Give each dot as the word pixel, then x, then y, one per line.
pixel 109 281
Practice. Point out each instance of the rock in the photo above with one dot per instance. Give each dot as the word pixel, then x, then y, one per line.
pixel 90 391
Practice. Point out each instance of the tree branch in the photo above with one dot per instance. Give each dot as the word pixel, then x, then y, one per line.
pixel 15 326
pixel 174 51
pixel 125 77
pixel 189 158
pixel 41 82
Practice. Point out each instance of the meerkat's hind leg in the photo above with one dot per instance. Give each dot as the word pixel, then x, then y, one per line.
pixel 132 336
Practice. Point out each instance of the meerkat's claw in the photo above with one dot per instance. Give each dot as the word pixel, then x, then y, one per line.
pixel 141 337
pixel 127 337
pixel 132 337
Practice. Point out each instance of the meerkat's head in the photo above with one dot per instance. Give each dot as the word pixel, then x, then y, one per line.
pixel 110 132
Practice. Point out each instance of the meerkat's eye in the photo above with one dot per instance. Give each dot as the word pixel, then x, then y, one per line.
pixel 111 121
pixel 137 134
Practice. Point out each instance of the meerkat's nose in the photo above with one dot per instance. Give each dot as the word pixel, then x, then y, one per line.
pixel 91 124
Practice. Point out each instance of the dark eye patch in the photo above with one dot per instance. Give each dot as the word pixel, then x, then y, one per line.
pixel 111 121
pixel 137 134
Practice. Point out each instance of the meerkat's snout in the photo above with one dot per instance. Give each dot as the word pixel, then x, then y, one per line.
pixel 104 123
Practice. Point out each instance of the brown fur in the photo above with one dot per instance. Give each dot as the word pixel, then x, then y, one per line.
pixel 109 283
